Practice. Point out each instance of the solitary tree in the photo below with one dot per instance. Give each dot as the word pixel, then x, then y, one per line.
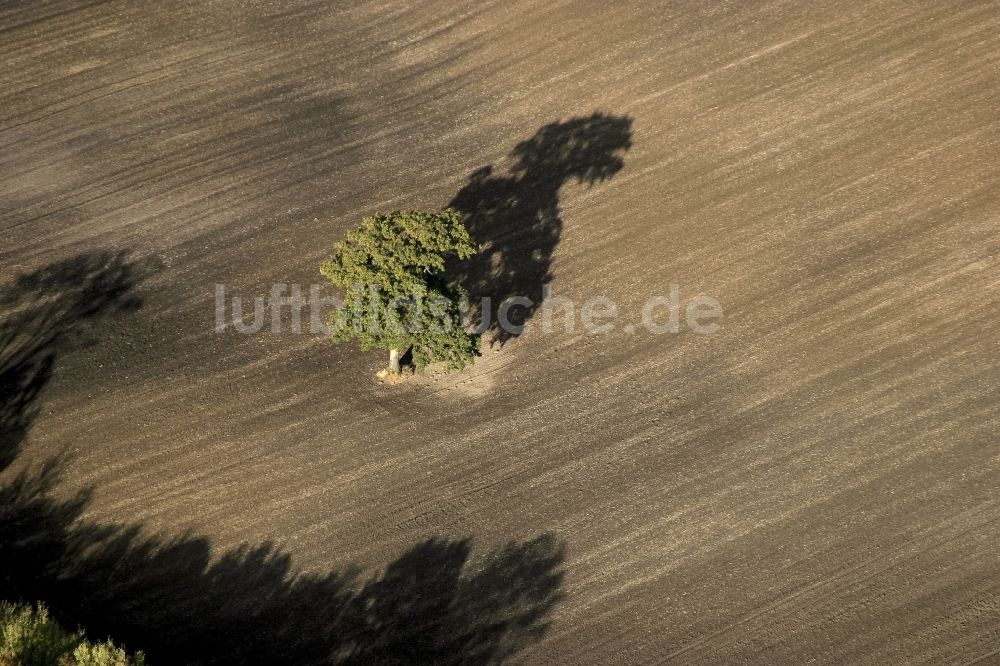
pixel 395 297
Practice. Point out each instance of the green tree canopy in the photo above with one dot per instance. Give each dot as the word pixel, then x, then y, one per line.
pixel 395 296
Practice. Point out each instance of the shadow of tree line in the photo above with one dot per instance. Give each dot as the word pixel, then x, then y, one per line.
pixel 516 218
pixel 171 598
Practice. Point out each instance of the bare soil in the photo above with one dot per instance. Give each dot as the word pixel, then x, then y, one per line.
pixel 817 481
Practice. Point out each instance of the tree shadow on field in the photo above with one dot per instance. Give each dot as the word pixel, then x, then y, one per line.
pixel 178 603
pixel 516 218
pixel 47 312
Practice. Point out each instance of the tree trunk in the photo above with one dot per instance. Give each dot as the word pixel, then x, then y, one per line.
pixel 394 361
